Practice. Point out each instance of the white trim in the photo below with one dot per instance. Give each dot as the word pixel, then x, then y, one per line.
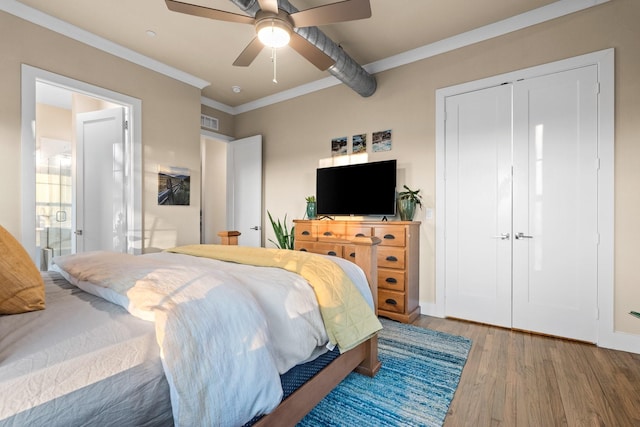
pixel 31 75
pixel 496 29
pixel 217 105
pixel 214 135
pixel 542 14
pixel 37 17
pixel 506 26
pixel 607 336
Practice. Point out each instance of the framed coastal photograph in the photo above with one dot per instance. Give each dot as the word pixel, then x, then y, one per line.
pixel 381 141
pixel 359 143
pixel 339 146
pixel 174 185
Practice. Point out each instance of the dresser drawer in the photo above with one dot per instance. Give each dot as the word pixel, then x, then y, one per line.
pixel 390 257
pixel 319 248
pixel 391 301
pixel 328 231
pixel 358 231
pixel 305 232
pixel 391 279
pixel 391 236
pixel 349 253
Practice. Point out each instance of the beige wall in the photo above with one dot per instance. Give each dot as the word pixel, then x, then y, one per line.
pixel 226 121
pixel 405 103
pixel 170 123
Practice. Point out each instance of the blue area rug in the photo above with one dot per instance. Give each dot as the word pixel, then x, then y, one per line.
pixel 420 373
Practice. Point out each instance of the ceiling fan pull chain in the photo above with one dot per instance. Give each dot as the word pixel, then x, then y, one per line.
pixel 273 59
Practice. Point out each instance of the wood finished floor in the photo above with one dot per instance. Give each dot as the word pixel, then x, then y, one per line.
pixel 518 379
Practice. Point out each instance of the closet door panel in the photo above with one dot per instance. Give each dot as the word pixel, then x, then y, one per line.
pixel 555 204
pixel 478 206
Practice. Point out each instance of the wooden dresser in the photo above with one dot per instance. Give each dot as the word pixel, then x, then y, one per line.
pixel 398 257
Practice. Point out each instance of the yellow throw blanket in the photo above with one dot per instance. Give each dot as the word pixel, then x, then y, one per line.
pixel 347 317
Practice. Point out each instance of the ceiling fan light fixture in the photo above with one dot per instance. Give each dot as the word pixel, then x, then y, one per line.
pixel 273 33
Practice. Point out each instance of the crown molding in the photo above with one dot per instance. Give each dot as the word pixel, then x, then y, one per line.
pixel 37 17
pixel 506 26
pixel 537 16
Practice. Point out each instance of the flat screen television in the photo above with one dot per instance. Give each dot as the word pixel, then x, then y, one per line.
pixel 366 189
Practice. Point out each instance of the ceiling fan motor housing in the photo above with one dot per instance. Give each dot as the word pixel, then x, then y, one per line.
pixel 269 22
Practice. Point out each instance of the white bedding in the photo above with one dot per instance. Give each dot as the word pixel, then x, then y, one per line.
pixel 75 360
pixel 241 304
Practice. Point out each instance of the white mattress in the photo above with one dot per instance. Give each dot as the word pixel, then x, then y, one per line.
pixel 89 353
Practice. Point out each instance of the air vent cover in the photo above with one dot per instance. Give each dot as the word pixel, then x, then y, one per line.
pixel 207 122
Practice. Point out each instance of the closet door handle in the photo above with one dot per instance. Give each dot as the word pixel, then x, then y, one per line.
pixel 521 235
pixel 504 236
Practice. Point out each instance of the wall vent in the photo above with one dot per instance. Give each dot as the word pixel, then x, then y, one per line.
pixel 208 122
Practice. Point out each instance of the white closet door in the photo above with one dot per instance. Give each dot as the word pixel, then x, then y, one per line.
pixel 478 206
pixel 555 204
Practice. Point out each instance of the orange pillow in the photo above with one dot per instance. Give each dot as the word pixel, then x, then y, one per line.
pixel 21 284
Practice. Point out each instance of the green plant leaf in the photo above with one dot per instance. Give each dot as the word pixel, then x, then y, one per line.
pixel 284 236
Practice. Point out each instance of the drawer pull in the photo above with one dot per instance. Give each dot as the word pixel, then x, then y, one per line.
pixel 305 233
pixel 391 258
pixel 390 280
pixel 352 255
pixel 328 233
pixel 391 301
pixel 359 235
pixel 331 253
pixel 389 236
pixel 303 250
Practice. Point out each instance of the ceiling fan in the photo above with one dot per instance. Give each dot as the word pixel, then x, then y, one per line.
pixel 275 27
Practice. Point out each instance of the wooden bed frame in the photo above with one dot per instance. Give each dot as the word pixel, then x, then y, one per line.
pixel 363 358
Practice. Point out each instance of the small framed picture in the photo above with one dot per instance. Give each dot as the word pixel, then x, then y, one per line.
pixel 339 146
pixel 174 185
pixel 359 143
pixel 381 141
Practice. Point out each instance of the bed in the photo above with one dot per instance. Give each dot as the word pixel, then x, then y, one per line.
pixel 97 355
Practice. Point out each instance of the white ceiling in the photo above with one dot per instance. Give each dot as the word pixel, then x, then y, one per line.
pixel 206 49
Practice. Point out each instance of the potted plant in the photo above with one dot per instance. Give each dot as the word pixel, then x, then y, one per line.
pixel 407 201
pixel 311 207
pixel 284 236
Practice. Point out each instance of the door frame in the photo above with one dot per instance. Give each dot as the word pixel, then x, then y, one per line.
pixel 133 186
pixel 604 60
pixel 207 228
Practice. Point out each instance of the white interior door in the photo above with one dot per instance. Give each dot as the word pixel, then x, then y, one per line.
pixel 539 204
pixel 555 204
pixel 245 189
pixel 100 220
pixel 478 206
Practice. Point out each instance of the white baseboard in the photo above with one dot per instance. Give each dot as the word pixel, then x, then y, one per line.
pixel 621 341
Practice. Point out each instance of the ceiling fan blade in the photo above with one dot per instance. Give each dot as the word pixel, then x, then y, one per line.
pixel 310 52
pixel 249 53
pixel 205 12
pixel 348 10
pixel 269 5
